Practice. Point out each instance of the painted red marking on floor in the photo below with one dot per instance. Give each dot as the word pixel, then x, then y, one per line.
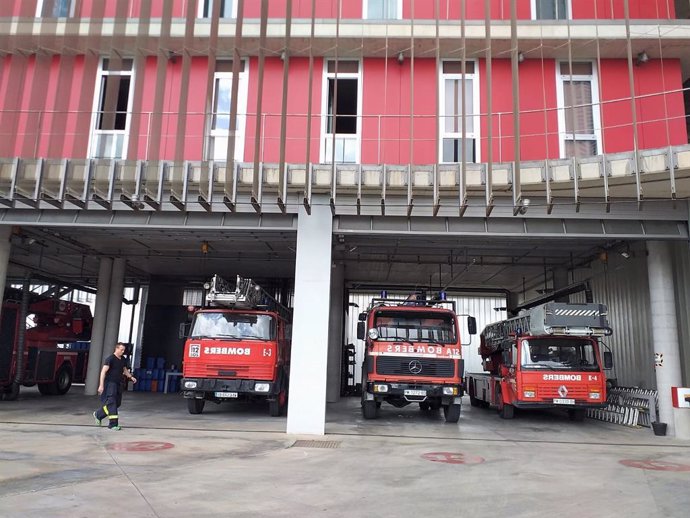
pixel 449 457
pixel 140 446
pixel 656 465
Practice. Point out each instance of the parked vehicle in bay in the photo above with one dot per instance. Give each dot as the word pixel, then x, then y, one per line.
pixel 46 344
pixel 238 347
pixel 548 357
pixel 412 354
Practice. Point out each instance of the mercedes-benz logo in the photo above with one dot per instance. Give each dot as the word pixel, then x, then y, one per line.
pixel 415 366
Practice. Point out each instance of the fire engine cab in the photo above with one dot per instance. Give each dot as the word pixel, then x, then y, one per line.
pixel 238 347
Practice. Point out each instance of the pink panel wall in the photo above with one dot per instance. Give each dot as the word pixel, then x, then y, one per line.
pixel 653 108
pixel 538 118
pixel 607 9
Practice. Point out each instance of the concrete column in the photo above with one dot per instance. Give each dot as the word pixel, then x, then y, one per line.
pixel 5 248
pixel 98 332
pixel 665 334
pixel 335 333
pixel 308 362
pixel 112 324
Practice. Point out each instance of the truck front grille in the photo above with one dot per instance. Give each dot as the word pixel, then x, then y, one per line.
pixel 406 366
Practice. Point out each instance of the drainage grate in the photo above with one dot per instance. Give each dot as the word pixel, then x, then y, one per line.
pixel 315 444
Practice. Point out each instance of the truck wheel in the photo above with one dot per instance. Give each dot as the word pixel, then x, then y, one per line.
pixel 63 380
pixel 195 406
pixel 473 400
pixel 452 413
pixel 577 414
pixel 11 392
pixel 505 411
pixel 369 409
pixel 277 405
pixel 47 389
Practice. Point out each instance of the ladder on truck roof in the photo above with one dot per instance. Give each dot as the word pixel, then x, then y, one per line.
pixel 245 294
pixel 552 318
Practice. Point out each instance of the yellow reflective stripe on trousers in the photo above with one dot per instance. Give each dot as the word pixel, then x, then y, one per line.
pixel 111 417
pixel 105 409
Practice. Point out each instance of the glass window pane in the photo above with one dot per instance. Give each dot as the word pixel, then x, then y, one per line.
pixel 455 67
pixel 113 105
pixel 375 9
pixel 452 151
pixel 453 107
pixel 552 10
pixel 580 148
pixel 579 112
pixel 221 104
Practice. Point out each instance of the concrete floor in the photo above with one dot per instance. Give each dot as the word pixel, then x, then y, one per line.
pixel 234 460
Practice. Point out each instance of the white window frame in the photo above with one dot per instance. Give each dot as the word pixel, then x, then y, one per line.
pixel 476 107
pixel 241 124
pixel 202 3
pixel 569 15
pixel 596 110
pixel 325 157
pixel 365 11
pixel 96 108
pixel 39 8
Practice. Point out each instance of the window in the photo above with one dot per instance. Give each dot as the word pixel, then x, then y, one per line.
pixel 382 10
pixel 112 113
pixel 551 9
pixel 453 107
pixel 578 110
pixel 54 8
pixel 342 110
pixel 415 327
pixel 220 112
pixel 249 326
pixel 558 354
pixel 228 8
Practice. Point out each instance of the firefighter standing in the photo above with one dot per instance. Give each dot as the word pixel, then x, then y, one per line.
pixel 110 388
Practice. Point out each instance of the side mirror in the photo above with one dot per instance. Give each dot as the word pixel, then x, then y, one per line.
pixel 608 360
pixel 362 316
pixel 183 331
pixel 360 330
pixel 472 325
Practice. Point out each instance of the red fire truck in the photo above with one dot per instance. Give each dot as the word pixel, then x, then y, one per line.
pixel 548 357
pixel 53 351
pixel 412 355
pixel 237 348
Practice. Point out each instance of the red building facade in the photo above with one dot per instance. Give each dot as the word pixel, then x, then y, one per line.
pixel 94 83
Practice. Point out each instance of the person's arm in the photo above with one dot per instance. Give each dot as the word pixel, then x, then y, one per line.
pixel 128 375
pixel 104 370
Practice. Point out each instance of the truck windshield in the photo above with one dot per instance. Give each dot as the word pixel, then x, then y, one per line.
pixel 558 354
pixel 233 326
pixel 415 326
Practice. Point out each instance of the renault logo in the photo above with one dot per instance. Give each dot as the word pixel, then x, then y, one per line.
pixel 415 366
pixel 562 391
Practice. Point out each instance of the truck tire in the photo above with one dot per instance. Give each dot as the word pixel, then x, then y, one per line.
pixel 63 380
pixel 369 409
pixel 277 405
pixel 47 389
pixel 505 411
pixel 452 413
pixel 473 400
pixel 195 406
pixel 577 414
pixel 10 392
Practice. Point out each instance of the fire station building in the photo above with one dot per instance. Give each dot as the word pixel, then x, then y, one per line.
pixel 330 147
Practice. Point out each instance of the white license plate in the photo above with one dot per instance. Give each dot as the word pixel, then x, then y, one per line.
pixel 563 401
pixel 226 394
pixel 411 392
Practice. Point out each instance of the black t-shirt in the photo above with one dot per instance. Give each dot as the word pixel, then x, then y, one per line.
pixel 116 368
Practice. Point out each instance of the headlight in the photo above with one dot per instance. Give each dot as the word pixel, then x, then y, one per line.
pixel 529 393
pixel 450 391
pixel 190 384
pixel 373 333
pixel 594 395
pixel 262 387
pixel 380 388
